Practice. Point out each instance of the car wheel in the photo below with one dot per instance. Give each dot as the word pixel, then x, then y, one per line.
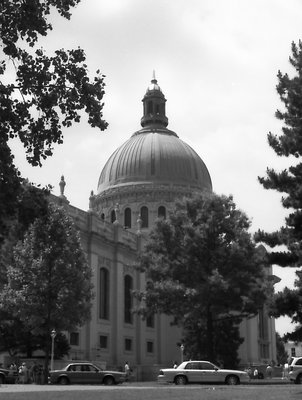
pixel 232 380
pixel 299 379
pixel 109 380
pixel 180 380
pixel 2 379
pixel 63 381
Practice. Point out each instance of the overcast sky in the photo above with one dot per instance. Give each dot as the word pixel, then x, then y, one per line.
pixel 216 61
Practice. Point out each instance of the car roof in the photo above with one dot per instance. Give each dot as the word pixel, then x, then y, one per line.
pixel 198 361
pixel 80 363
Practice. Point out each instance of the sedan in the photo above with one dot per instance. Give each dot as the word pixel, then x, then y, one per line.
pixel 201 372
pixel 85 373
pixel 7 376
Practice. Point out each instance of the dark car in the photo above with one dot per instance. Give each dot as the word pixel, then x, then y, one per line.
pixel 85 373
pixel 7 376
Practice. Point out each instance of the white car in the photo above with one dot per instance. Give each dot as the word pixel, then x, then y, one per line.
pixel 201 372
pixel 295 370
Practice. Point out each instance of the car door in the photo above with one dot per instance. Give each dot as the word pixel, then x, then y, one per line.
pixel 193 372
pixel 208 372
pixel 93 374
pixel 74 373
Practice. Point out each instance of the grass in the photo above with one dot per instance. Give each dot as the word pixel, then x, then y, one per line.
pixel 131 392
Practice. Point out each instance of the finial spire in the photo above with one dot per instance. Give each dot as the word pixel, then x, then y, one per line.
pixel 154 80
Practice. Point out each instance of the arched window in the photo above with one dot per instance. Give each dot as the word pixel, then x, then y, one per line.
pixel 127 218
pixel 103 217
pixel 144 217
pixel 104 293
pixel 113 216
pixel 150 107
pixel 128 287
pixel 161 213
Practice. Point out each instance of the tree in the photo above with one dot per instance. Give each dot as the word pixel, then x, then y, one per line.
pixel 289 183
pixel 203 268
pixel 48 93
pixel 32 203
pixel 282 355
pixel 49 282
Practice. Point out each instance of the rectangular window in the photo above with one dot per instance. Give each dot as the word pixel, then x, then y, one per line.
pixel 128 344
pixel 74 338
pixel 104 293
pixel 293 351
pixel 103 342
pixel 264 350
pixel 150 321
pixel 150 347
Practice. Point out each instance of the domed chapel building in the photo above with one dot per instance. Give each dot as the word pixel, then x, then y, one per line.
pixel 139 183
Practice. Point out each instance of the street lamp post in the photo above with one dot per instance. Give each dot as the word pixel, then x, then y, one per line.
pixel 53 335
pixel 182 347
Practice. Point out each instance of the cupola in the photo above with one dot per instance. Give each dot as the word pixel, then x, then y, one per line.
pixel 154 106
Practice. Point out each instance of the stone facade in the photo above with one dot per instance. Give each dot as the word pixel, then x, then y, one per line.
pixel 140 182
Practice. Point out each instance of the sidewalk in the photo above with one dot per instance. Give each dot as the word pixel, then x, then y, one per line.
pixel 270 381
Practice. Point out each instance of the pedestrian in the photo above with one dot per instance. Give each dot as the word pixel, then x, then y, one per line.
pixel 34 372
pixel 255 373
pixel 127 371
pixel 175 365
pixel 285 370
pixel 269 371
pixel 23 373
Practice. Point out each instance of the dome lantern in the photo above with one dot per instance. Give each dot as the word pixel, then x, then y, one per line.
pixel 154 106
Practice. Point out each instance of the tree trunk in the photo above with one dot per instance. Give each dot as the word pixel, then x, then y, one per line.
pixel 46 362
pixel 209 335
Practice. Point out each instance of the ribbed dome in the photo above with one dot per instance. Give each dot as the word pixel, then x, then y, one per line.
pixel 155 156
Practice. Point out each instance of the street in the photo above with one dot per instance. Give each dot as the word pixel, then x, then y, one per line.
pixel 151 391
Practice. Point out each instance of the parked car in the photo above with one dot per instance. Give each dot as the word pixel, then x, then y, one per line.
pixel 201 372
pixel 7 376
pixel 85 373
pixel 295 370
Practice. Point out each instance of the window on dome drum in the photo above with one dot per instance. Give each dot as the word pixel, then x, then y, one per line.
pixel 103 217
pixel 74 338
pixel 145 217
pixel 127 218
pixel 103 342
pixel 104 293
pixel 161 212
pixel 128 286
pixel 150 107
pixel 113 217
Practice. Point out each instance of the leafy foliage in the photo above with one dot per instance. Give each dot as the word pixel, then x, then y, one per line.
pixel 282 356
pixel 32 203
pixel 203 268
pixel 47 93
pixel 16 339
pixel 49 280
pixel 289 183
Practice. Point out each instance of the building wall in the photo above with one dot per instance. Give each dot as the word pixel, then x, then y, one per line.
pixel 293 349
pixel 111 246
